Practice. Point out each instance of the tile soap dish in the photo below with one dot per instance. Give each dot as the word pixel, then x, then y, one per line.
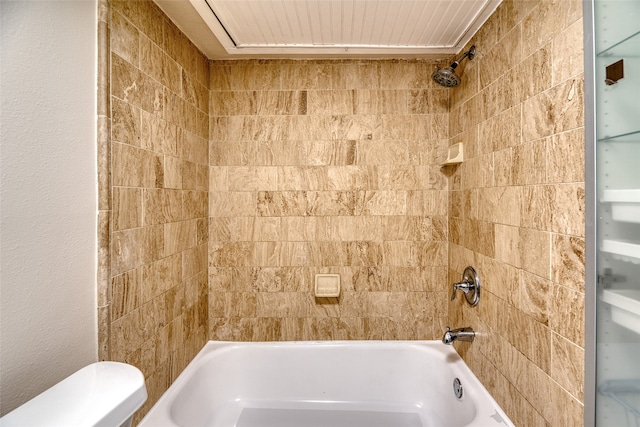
pixel 455 154
pixel 327 286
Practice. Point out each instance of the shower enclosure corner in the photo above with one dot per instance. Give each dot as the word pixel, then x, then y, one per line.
pixel 612 181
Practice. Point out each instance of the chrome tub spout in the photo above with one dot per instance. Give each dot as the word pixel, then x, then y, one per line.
pixel 460 334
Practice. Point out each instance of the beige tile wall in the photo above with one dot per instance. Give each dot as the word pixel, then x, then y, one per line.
pixel 154 308
pixel 516 209
pixel 327 167
pixel 285 169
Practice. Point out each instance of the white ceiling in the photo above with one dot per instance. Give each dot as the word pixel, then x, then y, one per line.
pixel 228 29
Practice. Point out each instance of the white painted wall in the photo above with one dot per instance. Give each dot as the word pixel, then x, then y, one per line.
pixel 48 187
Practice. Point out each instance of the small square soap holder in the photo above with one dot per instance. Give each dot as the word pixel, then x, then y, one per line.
pixel 455 154
pixel 327 286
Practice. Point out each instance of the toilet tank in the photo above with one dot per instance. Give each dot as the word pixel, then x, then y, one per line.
pixel 103 394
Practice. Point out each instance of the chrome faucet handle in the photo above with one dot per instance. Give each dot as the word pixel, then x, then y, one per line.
pixel 470 285
pixel 463 286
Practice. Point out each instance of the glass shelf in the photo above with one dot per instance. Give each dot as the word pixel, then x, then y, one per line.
pixel 629 46
pixel 632 136
pixel 625 204
pixel 622 250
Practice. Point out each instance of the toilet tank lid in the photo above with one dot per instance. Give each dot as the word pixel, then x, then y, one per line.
pixel 103 394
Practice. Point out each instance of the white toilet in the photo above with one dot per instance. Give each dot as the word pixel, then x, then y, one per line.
pixel 103 394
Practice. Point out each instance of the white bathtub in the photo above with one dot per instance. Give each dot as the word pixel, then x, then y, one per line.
pixel 326 384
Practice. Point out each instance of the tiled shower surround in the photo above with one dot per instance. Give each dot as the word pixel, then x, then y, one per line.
pixel 153 313
pixel 327 167
pixel 225 186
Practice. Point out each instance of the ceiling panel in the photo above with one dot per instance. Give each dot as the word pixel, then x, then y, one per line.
pixel 263 28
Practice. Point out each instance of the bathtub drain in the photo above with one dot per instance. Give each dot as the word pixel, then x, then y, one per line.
pixel 457 388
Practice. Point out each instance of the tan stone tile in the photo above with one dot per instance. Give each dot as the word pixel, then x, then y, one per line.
pixel 529 163
pixel 127 208
pixel 291 178
pixel 568 261
pixel 158 135
pixel 126 335
pixel 233 304
pixel 507 244
pixel 125 123
pixel 385 203
pixel 125 293
pixel 305 75
pixel 499 278
pixel 382 152
pixel 283 304
pixel 194 262
pixel 298 228
pixel 158 65
pixel 535 252
pixel 456 230
pixel 537 203
pixel 501 57
pixel 428 101
pixel 194 148
pixel 505 89
pixel 281 203
pixel 233 103
pixel 470 80
pixel 158 277
pixel 555 110
pixel 534 73
pixel 500 205
pixel 189 177
pixel 172 172
pixel 480 237
pixel 567 217
pixel 321 102
pixel 182 113
pixel 534 296
pixel 126 250
pixel 179 236
pixel 567 314
pixel 192 91
pixel 356 75
pixel 161 206
pixel 403 127
pixel 565 157
pixel 220 76
pixel 567 366
pixel 124 38
pixel 562 408
pixel 282 102
pixel 252 178
pixel 567 52
pixel 230 204
pixel 503 167
pixel 230 254
pixel 510 12
pixel 348 178
pixel 202 178
pixel 131 85
pixel 404 75
pixel 439 128
pixel 502 131
pixel 265 75
pixel 547 21
pixel 406 228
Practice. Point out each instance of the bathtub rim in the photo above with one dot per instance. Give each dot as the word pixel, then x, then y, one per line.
pixel 476 388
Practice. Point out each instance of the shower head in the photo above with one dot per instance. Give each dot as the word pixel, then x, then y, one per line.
pixel 447 77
